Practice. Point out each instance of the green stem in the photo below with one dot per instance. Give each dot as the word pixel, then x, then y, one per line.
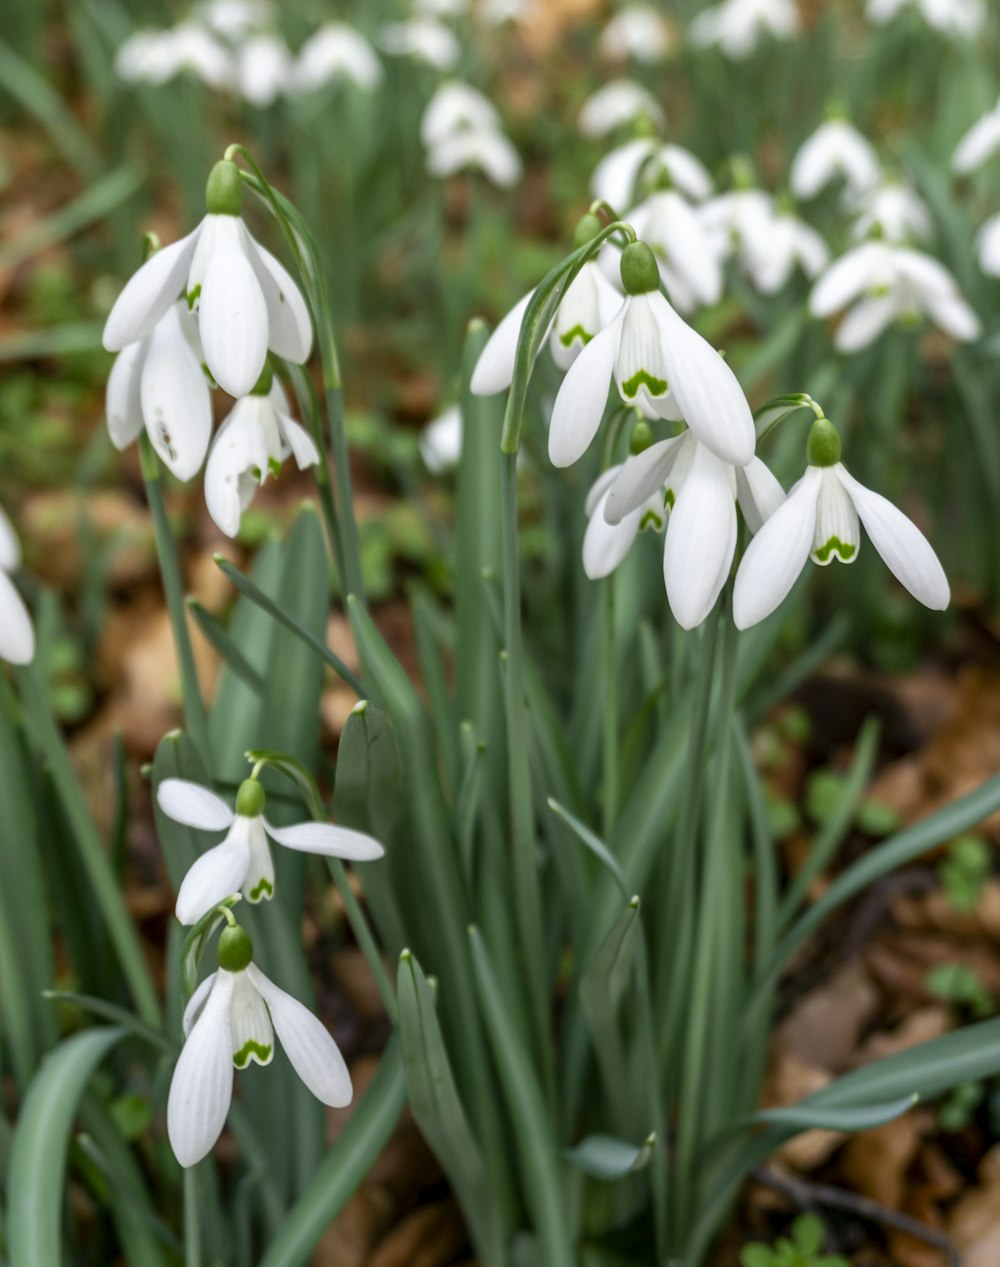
pixel 349 541
pixel 192 1231
pixel 195 717
pixel 610 710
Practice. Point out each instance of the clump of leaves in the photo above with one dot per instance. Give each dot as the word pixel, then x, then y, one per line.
pixel 964 872
pixel 826 789
pixel 802 1248
pixel 958 984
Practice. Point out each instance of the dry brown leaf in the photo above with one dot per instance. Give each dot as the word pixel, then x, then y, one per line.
pixel 919 1026
pixel 824 1028
pixel 431 1236
pixel 351 1237
pixel 974 1221
pixel 875 1162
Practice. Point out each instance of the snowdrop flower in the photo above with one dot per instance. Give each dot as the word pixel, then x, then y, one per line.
pixel 738 222
pixel 835 149
pixel 441 8
pixel 457 107
pixel 988 247
pixel 157 56
pixel 158 383
pixel 737 27
pixel 497 12
pixel 637 31
pixel 821 519
pixel 892 211
pixel 263 72
pixel 606 544
pixel 588 306
pixel 980 142
pixel 423 38
pixel 620 102
pixel 491 153
pixel 235 19
pixel 441 441
pixel 252 443
pixel 621 176
pixel 242 862
pixel 684 252
pixel 660 365
pixel 890 283
pixel 953 17
pixel 231 1020
pixel 336 51
pixel 789 243
pixel 701 491
pixel 246 300
pixel 17 633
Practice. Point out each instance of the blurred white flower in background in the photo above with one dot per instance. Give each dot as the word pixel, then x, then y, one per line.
pixel 263 69
pixel 620 102
pixel 441 441
pixel 881 284
pixel 157 56
pixel 460 129
pixel 784 243
pixel 441 8
pixel 835 150
pixel 737 27
pixel 639 32
pixel 630 170
pixel 235 19
pixel 497 12
pixel 425 39
pixel 689 264
pixel 953 17
pixel 17 634
pixel 978 144
pixel 737 221
pixel 988 247
pixel 335 51
pixel 893 211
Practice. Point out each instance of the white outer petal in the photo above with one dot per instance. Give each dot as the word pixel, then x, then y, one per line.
pixel 701 539
pixel 149 293
pixel 865 322
pixel 988 246
pixel 495 367
pixel 10 546
pixel 777 554
pixel 580 401
pixel 289 326
pixel 976 146
pixel 615 175
pixel 17 634
pixel 232 314
pixel 196 1004
pixel 845 279
pixel 314 1055
pixel 123 402
pixel 176 401
pixel 194 805
pixel 903 548
pixel 327 839
pixel 216 875
pixel 640 477
pixel 955 316
pixel 202 1086
pixel 299 441
pixel 605 545
pixel 759 493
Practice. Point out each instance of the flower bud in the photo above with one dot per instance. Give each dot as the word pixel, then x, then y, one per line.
pixel 250 799
pixel 641 437
pixel 587 229
pixel 640 272
pixel 235 949
pixel 824 443
pixel 224 191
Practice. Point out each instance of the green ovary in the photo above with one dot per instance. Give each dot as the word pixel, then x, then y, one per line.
pixel 252 1048
pixel 835 547
pixel 263 888
pixel 656 386
pixel 577 332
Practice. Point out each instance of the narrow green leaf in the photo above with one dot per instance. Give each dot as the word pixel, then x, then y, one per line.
pixel 26 85
pixel 603 1157
pixel 228 651
pixel 594 843
pixel 803 1117
pixel 601 990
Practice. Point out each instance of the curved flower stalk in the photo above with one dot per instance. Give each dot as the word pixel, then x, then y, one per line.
pixel 246 301
pixel 836 150
pixel 424 39
pixel 636 167
pixel 336 52
pixel 156 56
pixel 231 1020
pixel 618 103
pixel 158 383
pixel 17 633
pixel 978 144
pixel 892 211
pixel 660 365
pixel 951 17
pixel 242 862
pixel 638 32
pixel 738 27
pixel 606 544
pixel 885 284
pixel 820 519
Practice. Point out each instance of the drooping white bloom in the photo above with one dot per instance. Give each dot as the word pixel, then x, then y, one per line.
pixel 424 39
pixel 242 862
pixel 156 56
pixel 263 69
pixel 460 129
pixel 988 247
pixel 158 383
pixel 953 17
pixel 893 211
pixel 701 491
pixel 737 27
pixel 606 544
pixel 246 300
pixel 884 284
pixel 821 519
pixel 738 222
pixel 689 265
pixel 231 1020
pixel 457 107
pixel 235 19
pixel 630 170
pixel 252 443
pixel 835 149
pixel 441 441
pixel 441 8
pixel 620 102
pixel 497 12
pixel 17 633
pixel 980 142
pixel 638 31
pixel 660 365
pixel 336 51
pixel 788 243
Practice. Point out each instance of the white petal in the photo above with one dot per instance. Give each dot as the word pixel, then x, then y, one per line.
pixel 202 1086
pixel 495 367
pixel 579 405
pixel 258 882
pixel 837 534
pixel 903 548
pixel 193 805
pixel 845 279
pixel 701 539
pixel 301 443
pixel 17 634
pixel 176 401
pixel 216 875
pixel 989 247
pixel 232 316
pixel 954 316
pixel 10 546
pixel 777 554
pixel 327 839
pixel 605 545
pixel 640 368
pixel 759 493
pixel 687 172
pixel 640 477
pixel 615 175
pixel 123 403
pixel 196 1003
pixel 252 1038
pixel 314 1055
pixel 239 449
pixel 981 140
pixel 149 293
pixel 865 322
pixel 289 327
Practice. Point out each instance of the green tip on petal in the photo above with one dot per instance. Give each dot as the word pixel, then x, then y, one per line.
pixel 262 387
pixel 250 799
pixel 224 191
pixel 235 949
pixel 587 229
pixel 640 272
pixel 824 443
pixel 641 437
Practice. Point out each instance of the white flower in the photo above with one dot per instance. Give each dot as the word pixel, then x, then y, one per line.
pixel 979 143
pixel 441 441
pixel 246 300
pixel 637 166
pixel 252 443
pixel 497 12
pixel 737 27
pixel 242 862
pixel 423 38
pixel 893 211
pixel 617 103
pixel 688 262
pixel 660 365
pixel 457 107
pixel 821 518
pixel 835 149
pixel 264 66
pixel 441 8
pixel 988 247
pixel 336 51
pixel 17 633
pixel 157 56
pixel 491 153
pixel 158 383
pixel 589 304
pixel 235 19
pixel 890 283
pixel 772 256
pixel 637 31
pixel 702 492
pixel 739 221
pixel 605 544
pixel 231 1020
pixel 953 17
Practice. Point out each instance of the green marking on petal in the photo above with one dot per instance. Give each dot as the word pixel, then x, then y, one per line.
pixel 274 466
pixel 835 548
pixel 252 1048
pixel 263 888
pixel 668 498
pixel 652 519
pixel 641 378
pixel 192 296
pixel 577 332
